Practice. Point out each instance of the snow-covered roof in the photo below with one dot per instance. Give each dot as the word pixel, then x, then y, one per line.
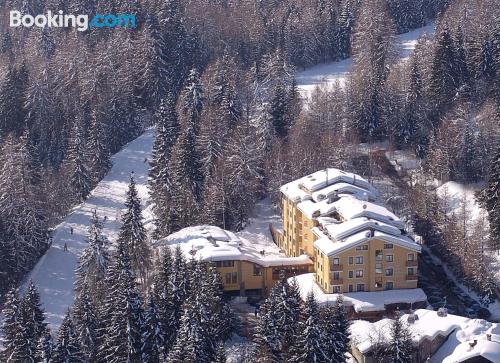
pixel 429 325
pixel 211 243
pixel 332 247
pixel 315 184
pixel 360 301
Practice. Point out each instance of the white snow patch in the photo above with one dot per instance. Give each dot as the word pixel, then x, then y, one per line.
pixel 54 274
pixel 360 301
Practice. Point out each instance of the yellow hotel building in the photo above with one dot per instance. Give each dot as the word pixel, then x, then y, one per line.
pixel 356 244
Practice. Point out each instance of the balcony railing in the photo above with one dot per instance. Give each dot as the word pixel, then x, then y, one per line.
pixel 336 267
pixel 338 281
pixel 411 277
pixel 411 263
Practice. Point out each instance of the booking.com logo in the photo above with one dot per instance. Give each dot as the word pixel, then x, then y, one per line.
pixel 80 22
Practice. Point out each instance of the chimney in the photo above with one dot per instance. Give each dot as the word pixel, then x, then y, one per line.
pixel 488 337
pixel 472 344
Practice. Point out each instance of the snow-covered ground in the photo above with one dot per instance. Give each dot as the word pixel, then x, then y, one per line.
pixel 329 74
pixel 54 274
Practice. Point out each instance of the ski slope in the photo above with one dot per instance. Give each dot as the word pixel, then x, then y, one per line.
pixel 330 73
pixel 54 274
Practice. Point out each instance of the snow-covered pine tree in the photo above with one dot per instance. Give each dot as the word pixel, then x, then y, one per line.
pixel 179 285
pixel 45 348
pixel 220 353
pixel 335 327
pixel 86 323
pixel 77 163
pixel 401 343
pixel 133 234
pixel 310 342
pixel 167 126
pixel 67 348
pixel 491 200
pixel 187 181
pixel 443 77
pixel 11 102
pixel 346 25
pixel 192 101
pixel 153 334
pixel 12 323
pixel 278 111
pixel 99 158
pixel 163 299
pixel 93 264
pixel 122 312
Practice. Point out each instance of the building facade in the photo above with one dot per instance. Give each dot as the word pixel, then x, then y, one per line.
pixel 355 243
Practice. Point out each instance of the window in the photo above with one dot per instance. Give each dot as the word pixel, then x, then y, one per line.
pixel 378 285
pixel 336 275
pixel 378 255
pixel 359 260
pixel 388 246
pixel 411 257
pixel 351 288
pixel 378 268
pixel 234 278
pixel 359 273
pixel 411 271
pixel 224 264
pixel 257 270
pixel 389 272
pixel 336 261
pixel 360 287
pixel 337 289
pixel 362 248
pixel 229 277
pixel 351 260
pixel 389 285
pixel 351 274
pixel 389 258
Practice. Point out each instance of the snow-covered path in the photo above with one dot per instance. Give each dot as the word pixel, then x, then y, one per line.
pixel 54 273
pixel 329 73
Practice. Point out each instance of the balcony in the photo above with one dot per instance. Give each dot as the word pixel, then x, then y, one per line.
pixel 336 267
pixel 334 281
pixel 413 263
pixel 411 277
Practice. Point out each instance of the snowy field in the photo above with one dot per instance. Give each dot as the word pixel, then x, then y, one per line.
pixel 329 74
pixel 54 274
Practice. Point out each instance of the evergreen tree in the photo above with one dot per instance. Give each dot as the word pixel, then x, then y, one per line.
pixel 153 334
pixel 335 327
pixel 45 348
pixel 310 343
pixel 491 199
pixel 122 312
pixel 86 322
pixel 220 353
pixel 77 164
pixel 12 324
pixel 93 264
pixel 278 111
pixel 192 101
pixel 401 344
pixel 11 101
pixel 67 348
pixel 133 234
pixel 160 181
pixel 99 161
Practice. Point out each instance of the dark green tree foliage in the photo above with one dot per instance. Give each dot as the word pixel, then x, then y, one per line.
pixel 94 262
pixel 443 77
pixel 187 181
pixel 346 25
pixel 12 88
pixel 122 312
pixel 407 14
pixel 99 158
pixel 279 322
pixel 45 348
pixel 491 199
pixel 67 348
pixel 153 334
pixel 11 325
pixel 167 126
pixel 310 343
pixel 133 234
pixel 86 322
pixel 192 101
pixel 78 164
pixel 335 327
pixel 279 110
pixel 401 343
